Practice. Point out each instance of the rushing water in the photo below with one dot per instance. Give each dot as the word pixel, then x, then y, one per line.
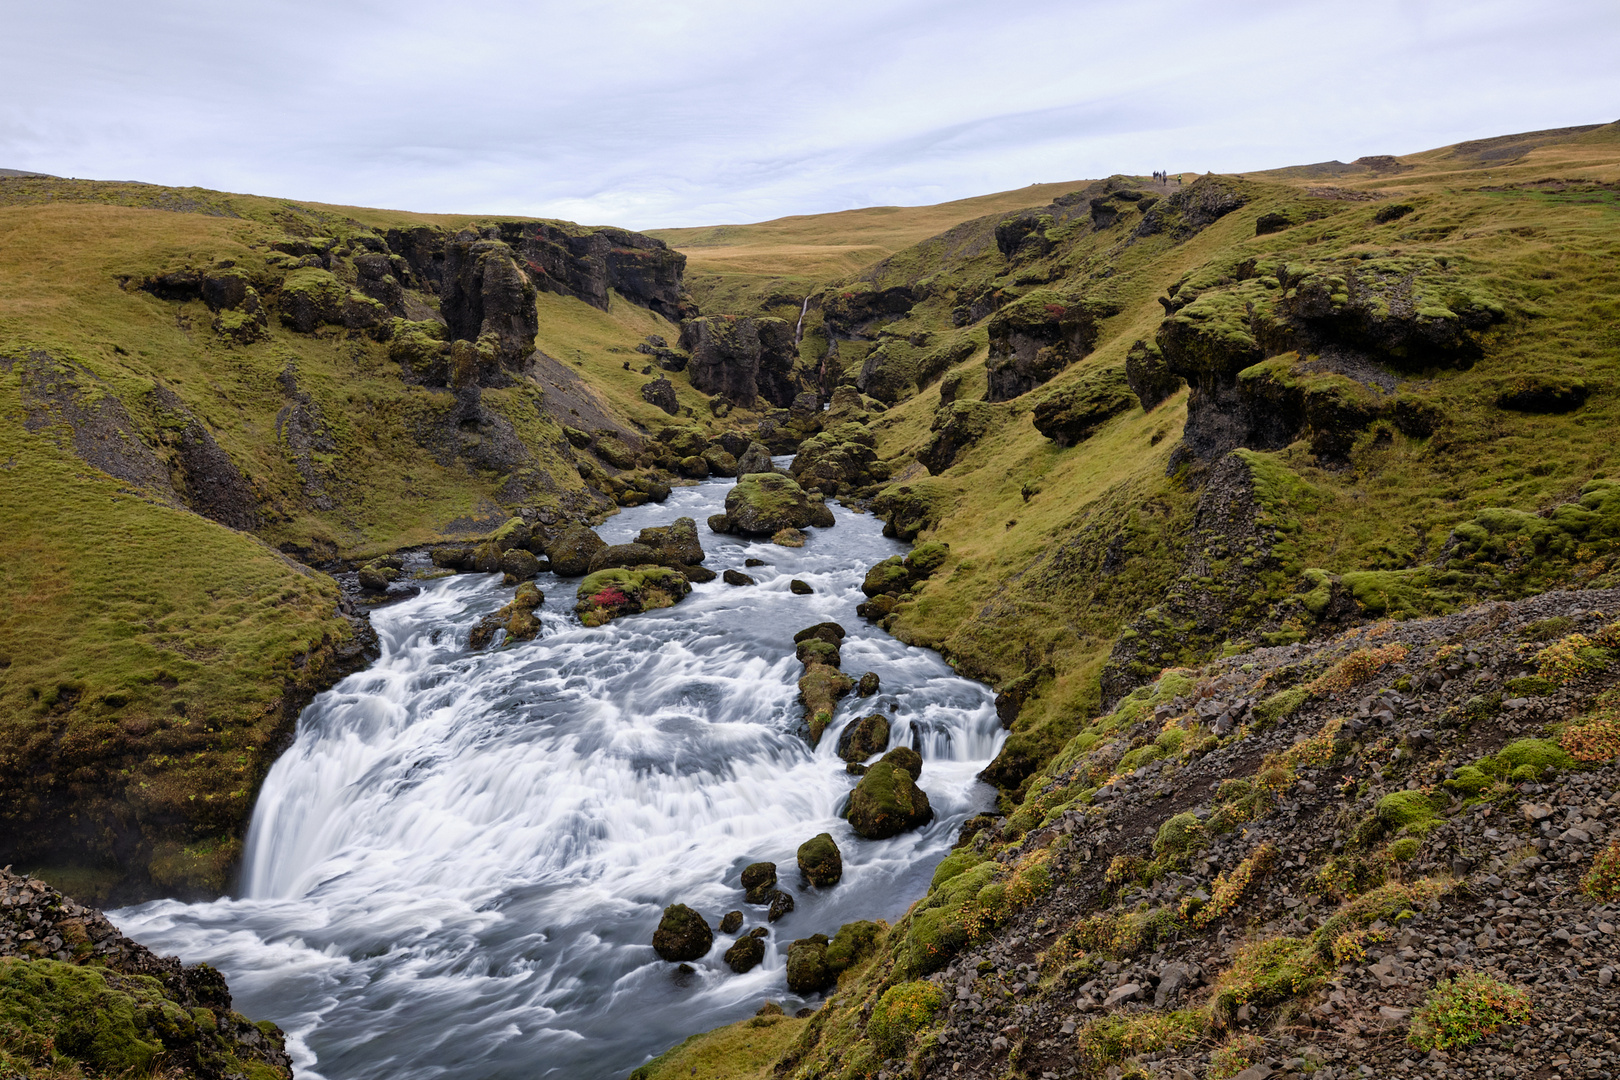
pixel 457 868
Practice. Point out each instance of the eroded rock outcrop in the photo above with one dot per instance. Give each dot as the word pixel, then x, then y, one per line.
pixel 741 358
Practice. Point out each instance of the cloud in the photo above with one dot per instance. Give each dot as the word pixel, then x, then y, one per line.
pixel 693 113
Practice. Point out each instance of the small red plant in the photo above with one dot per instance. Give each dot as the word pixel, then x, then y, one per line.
pixel 610 597
pixel 1057 311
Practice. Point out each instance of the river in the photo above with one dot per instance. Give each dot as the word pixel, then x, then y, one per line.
pixel 456 869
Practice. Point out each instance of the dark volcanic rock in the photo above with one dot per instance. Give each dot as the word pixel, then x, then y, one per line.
pixel 484 293
pixel 661 392
pixel 820 861
pixel 742 359
pixel 745 954
pixel 1150 378
pixel 571 550
pixel 807 968
pixel 887 802
pixel 682 934
pixel 867 736
pixel 1070 415
pixel 758 879
pixel 957 427
pixel 1037 336
pixel 781 903
pixel 737 577
pixel 731 922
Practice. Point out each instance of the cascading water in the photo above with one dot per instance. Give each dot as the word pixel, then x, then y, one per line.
pixel 457 868
pixel 798 329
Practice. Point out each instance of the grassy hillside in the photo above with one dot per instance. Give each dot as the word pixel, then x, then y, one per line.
pixel 1277 794
pixel 162 452
pixel 771 266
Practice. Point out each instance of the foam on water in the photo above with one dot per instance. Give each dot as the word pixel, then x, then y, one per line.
pixel 457 868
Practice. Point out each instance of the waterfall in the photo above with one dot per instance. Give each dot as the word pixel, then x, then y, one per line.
pixel 456 869
pixel 798 330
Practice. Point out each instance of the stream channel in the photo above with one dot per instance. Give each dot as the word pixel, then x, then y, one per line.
pixel 457 868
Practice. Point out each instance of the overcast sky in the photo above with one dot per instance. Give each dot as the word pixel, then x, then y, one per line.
pixel 685 113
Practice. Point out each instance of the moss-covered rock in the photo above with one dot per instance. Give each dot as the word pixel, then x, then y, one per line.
pixel 820 688
pixel 864 737
pixel 611 594
pixel 867 684
pixel 829 632
pixel 1037 336
pixel 957 427
pixel 622 555
pixel 519 565
pixel 853 943
pixel 518 618
pixel 1070 415
pixel 731 922
pixel 570 551
pixel 745 954
pixel 816 651
pixel 910 508
pixel 764 503
pixel 682 934
pixel 887 802
pixel 820 861
pixel 807 969
pixel 904 757
pixel 758 879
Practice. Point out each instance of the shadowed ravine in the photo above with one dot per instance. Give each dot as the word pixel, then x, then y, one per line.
pixel 457 868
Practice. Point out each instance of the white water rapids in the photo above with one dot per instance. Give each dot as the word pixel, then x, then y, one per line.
pixel 456 869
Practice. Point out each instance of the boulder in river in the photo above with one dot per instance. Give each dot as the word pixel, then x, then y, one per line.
pixel 867 685
pixel 519 565
pixel 816 651
pixel 887 802
pixel 867 736
pixel 731 922
pixel 610 594
pixel 745 954
pixel 762 504
pixel 807 969
pixel 758 879
pixel 821 631
pixel 737 577
pixel 682 934
pixel 781 904
pixel 820 861
pixel 800 588
pixel 517 618
pixel 571 549
pixel 675 544
pixel 820 687
pixel 906 758
pixel 622 555
pixel 788 538
pixel 754 459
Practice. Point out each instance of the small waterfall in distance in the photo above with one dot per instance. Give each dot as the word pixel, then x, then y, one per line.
pixel 456 869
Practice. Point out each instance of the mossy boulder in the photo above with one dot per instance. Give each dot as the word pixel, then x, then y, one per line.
pixel 829 632
pixel 924 559
pixel 756 458
pixel 682 935
pixel 1035 337
pixel 904 757
pixel 840 460
pixel 820 688
pixel 799 587
pixel 887 802
pixel 737 577
pixel 816 651
pixel 807 969
pixel 731 922
pixel 518 565
pixel 622 555
pixel 758 879
pixel 611 594
pixel 1149 377
pixel 957 428
pixel 911 508
pixel 889 576
pixel 1069 415
pixel 820 861
pixel 571 549
pixel 745 954
pixel 854 942
pixel 867 684
pixel 517 618
pixel 765 503
pixel 867 736
pixel 720 462
pixel 1411 810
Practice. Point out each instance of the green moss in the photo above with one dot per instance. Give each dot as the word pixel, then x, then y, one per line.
pixel 939 926
pixel 1538 754
pixel 900 1013
pixel 1179 835
pixel 1281 704
pixel 1469 781
pixel 957 862
pixel 1407 810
